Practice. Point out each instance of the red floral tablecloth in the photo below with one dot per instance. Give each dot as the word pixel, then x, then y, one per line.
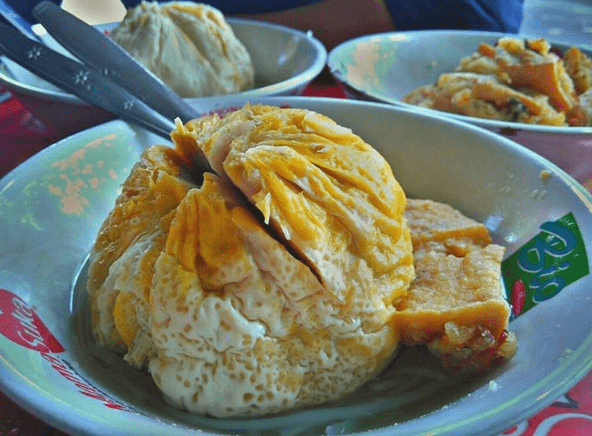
pixel 22 135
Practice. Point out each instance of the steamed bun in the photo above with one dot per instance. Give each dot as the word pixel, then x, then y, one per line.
pixel 188 45
pixel 280 296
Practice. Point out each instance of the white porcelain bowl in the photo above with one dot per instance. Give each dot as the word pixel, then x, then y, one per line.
pixel 285 60
pixel 52 206
pixel 386 67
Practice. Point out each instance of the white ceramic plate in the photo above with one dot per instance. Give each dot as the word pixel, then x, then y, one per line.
pixel 386 67
pixel 52 206
pixel 285 61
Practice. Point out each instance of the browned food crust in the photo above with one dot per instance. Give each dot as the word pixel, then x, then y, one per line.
pixel 456 304
pixel 515 80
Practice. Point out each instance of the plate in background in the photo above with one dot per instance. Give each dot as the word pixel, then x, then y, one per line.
pixel 285 60
pixel 385 67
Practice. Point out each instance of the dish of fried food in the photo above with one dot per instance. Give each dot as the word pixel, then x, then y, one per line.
pixel 516 80
pixel 188 45
pixel 287 279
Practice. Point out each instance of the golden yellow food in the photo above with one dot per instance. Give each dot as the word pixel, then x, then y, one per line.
pixel 288 278
pixel 456 304
pixel 515 80
pixel 234 317
pixel 188 45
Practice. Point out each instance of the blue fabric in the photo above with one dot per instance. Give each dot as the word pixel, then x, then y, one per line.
pixel 228 7
pixel 489 15
pixel 24 8
pixel 243 7
pixel 493 15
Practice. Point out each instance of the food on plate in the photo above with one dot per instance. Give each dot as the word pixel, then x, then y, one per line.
pixel 287 278
pixel 516 80
pixel 456 303
pixel 188 45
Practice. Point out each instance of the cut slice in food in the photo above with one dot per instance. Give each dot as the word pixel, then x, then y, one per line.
pixel 249 309
pixel 287 280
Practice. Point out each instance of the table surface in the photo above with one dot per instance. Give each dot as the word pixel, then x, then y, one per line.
pixel 22 135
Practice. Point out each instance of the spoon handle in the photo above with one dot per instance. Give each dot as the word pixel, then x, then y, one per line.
pixel 81 80
pixel 94 48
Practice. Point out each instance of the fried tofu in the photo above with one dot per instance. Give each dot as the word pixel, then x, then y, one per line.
pixel 456 305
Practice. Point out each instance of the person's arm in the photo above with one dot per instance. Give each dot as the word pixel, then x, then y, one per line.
pixel 334 21
pixel 331 21
pixel 489 15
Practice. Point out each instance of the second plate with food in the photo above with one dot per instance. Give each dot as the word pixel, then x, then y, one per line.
pixel 285 61
pixel 386 67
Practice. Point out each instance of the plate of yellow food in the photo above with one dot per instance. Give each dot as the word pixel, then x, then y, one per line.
pixel 346 268
pixel 530 89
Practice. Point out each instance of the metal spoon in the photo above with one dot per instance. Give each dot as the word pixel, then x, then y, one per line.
pixel 94 48
pixel 88 84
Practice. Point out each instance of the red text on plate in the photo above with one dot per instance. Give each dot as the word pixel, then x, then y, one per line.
pixel 20 324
